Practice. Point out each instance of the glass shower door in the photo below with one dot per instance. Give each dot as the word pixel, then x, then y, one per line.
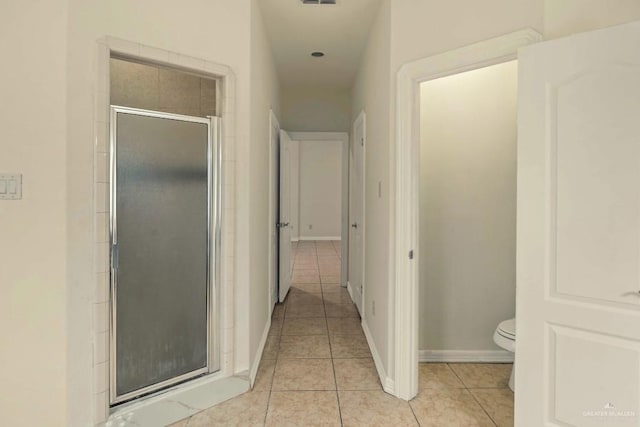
pixel 163 204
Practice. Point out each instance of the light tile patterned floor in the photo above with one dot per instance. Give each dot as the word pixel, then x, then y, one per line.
pixel 317 369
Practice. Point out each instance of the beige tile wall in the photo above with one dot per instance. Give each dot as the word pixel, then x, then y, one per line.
pixel 161 89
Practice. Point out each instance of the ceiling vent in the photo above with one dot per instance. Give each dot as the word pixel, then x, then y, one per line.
pixel 318 1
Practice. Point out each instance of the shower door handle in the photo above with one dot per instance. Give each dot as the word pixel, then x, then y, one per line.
pixel 115 257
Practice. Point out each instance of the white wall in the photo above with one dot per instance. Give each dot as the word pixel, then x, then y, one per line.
pixel 33 258
pixel 320 190
pixel 264 96
pixel 294 149
pixel 467 207
pixel 565 17
pixel 312 109
pixel 372 94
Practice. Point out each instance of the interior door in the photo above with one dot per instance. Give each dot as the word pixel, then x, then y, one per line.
pixel 578 250
pixel 356 213
pixel 285 216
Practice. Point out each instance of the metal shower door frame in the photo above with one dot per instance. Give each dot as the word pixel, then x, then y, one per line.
pixel 214 194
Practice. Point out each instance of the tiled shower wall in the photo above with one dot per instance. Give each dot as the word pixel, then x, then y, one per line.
pixel 151 87
pixel 209 99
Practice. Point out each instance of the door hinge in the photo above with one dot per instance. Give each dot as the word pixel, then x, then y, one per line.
pixel 411 254
pixel 362 141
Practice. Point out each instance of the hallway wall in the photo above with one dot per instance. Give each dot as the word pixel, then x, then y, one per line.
pixel 566 17
pixel 264 89
pixel 320 190
pixel 311 109
pixel 372 93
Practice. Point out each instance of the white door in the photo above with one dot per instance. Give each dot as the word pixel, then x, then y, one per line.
pixel 578 251
pixel 356 213
pixel 285 215
pixel 274 185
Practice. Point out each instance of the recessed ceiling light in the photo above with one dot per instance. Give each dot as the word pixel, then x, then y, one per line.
pixel 317 54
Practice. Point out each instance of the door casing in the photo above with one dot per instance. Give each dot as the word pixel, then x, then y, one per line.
pixel 404 244
pixel 344 235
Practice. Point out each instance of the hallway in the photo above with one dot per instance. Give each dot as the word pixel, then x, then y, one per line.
pixel 317 369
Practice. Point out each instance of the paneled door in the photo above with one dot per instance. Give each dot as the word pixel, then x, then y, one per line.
pixel 578 228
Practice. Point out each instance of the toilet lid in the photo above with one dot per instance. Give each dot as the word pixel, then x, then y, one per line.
pixel 508 329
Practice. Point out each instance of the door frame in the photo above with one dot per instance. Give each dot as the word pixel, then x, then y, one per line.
pixel 88 305
pixel 404 241
pixel 212 250
pixel 274 189
pixel 343 137
pixel 362 117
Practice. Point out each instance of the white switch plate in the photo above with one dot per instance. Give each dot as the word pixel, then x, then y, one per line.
pixel 10 186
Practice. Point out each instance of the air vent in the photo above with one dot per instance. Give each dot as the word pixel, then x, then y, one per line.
pixel 318 1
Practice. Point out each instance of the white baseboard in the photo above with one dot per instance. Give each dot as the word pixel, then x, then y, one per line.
pixel 256 361
pixel 303 238
pixel 387 383
pixel 480 356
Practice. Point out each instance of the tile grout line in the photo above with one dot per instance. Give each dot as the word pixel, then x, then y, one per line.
pixel 333 366
pixel 413 412
pixel 482 407
pixel 273 377
pixel 472 395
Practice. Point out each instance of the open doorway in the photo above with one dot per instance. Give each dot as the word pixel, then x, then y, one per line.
pixel 408 245
pixel 308 213
pixel 467 223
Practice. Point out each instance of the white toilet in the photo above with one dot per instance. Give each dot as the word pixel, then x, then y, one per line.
pixel 505 337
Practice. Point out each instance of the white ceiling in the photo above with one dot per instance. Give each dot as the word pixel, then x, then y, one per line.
pixel 340 31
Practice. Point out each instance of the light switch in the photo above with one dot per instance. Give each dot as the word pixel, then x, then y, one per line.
pixel 10 186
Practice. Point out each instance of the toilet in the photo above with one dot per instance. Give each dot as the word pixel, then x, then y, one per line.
pixel 505 337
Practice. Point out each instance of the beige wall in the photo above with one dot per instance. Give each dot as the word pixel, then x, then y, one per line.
pixel 422 28
pixel 309 109
pixel 264 96
pixel 151 87
pixel 565 17
pixel 371 93
pixel 33 277
pixel 320 189
pixel 467 207
pixel 294 149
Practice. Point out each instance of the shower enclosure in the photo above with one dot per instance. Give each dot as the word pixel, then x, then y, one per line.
pixel 164 199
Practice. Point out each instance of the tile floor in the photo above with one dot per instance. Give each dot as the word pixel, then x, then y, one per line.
pixel 317 369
